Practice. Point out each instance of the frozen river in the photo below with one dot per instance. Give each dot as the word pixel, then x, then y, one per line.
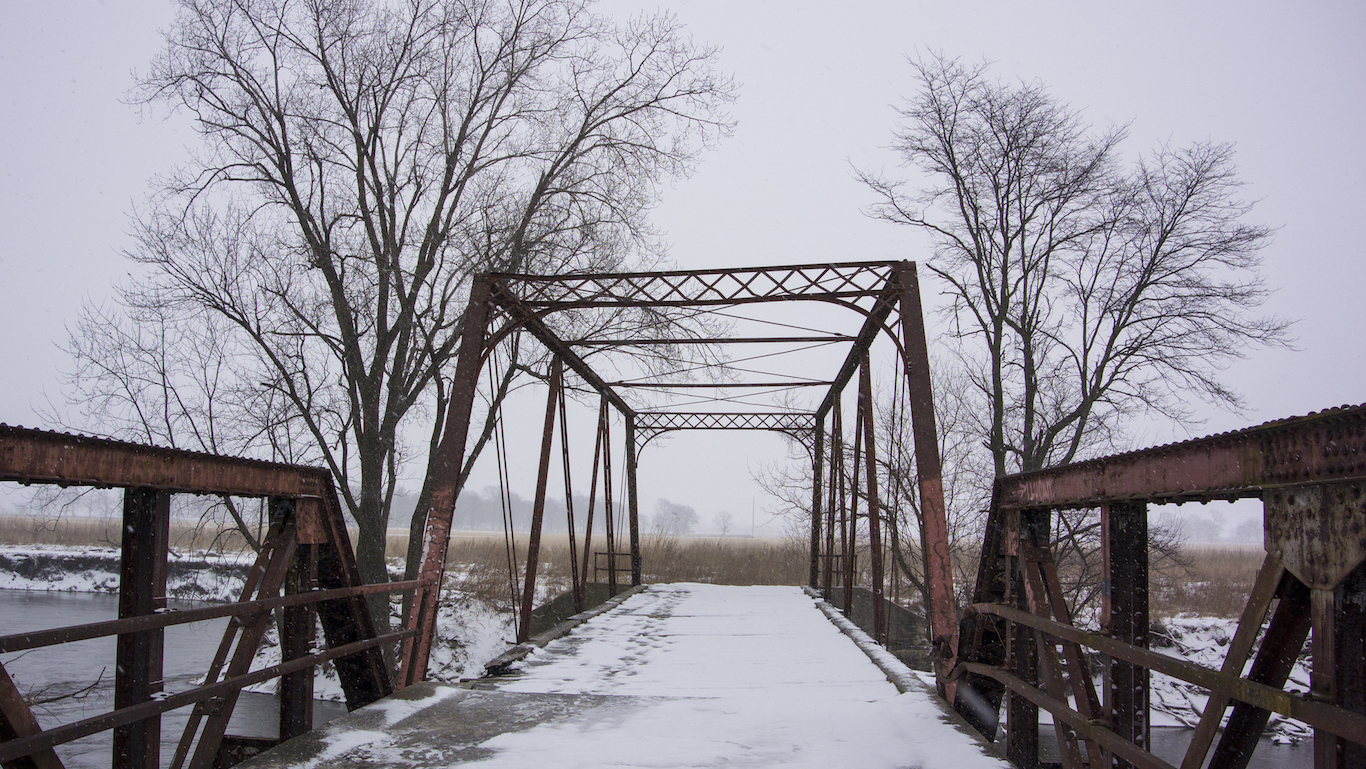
pixel 54 671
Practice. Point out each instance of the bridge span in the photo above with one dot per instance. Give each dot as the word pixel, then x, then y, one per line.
pixel 682 675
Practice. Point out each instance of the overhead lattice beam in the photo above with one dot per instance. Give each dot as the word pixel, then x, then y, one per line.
pixel 694 288
pixel 700 420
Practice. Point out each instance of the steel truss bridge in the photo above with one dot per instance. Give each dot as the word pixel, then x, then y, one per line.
pixel 1014 646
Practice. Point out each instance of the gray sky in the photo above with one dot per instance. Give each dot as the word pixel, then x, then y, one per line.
pixel 1288 86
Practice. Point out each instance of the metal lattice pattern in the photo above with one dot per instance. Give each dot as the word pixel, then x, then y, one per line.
pixel 676 420
pixel 702 287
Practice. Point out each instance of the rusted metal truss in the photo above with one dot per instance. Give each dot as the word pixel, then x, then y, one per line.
pixel 799 425
pixel 501 304
pixel 701 288
pixel 1310 473
pixel 307 555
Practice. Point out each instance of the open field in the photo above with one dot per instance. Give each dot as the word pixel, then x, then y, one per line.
pixel 1215 583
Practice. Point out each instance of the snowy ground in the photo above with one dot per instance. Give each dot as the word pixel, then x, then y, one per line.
pixel 754 676
pixel 679 675
pixel 1204 641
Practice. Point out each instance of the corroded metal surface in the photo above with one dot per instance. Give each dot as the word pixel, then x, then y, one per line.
pixel 39 456
pixel 1309 472
pixel 1329 445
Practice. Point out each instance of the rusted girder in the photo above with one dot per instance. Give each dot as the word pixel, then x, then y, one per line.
pixel 37 638
pixel 796 424
pixel 1326 446
pixel 31 744
pixel 39 456
pixel 775 385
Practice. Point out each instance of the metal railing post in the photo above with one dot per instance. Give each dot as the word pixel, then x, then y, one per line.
pixel 142 590
pixel 533 547
pixel 632 500
pixel 1124 616
pixel 817 470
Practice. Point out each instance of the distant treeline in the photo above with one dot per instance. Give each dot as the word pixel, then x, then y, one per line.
pixel 481 510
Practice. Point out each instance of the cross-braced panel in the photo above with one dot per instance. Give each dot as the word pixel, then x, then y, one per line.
pixel 694 420
pixel 702 287
pixel 798 425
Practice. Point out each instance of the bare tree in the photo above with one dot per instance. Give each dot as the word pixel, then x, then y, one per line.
pixel 724 522
pixel 966 478
pixel 361 160
pixel 672 519
pixel 148 375
pixel 1082 294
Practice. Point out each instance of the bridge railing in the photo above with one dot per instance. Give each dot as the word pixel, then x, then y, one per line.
pixel 1019 644
pixel 305 572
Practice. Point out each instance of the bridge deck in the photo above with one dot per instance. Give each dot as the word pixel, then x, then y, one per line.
pixel 677 675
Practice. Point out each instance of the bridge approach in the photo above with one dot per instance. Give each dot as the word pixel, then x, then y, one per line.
pixel 674 675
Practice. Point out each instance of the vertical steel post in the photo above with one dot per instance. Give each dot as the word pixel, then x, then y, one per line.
pixel 836 460
pixel 296 640
pixel 1323 676
pixel 142 590
pixel 450 456
pixel 533 548
pixel 632 500
pixel 934 528
pixel 874 511
pixel 577 585
pixel 607 506
pixel 850 572
pixel 817 470
pixel 1349 668
pixel 1022 715
pixel 593 492
pixel 1124 616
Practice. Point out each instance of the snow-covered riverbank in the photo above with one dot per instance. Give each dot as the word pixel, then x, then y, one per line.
pixel 472 631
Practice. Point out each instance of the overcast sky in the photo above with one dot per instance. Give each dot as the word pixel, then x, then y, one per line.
pixel 818 81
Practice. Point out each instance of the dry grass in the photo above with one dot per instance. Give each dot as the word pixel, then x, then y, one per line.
pixel 1215 584
pixel 480 561
pixel 73 531
pixel 725 561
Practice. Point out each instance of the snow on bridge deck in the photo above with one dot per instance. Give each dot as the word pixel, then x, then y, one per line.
pixel 679 675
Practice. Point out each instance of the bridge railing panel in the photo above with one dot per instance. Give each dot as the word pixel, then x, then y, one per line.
pixel 1310 473
pixel 304 569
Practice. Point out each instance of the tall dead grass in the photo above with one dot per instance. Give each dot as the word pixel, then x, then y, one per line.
pixel 75 531
pixel 1215 583
pixel 478 561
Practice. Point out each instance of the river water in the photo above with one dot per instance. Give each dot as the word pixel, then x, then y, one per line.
pixel 51 672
